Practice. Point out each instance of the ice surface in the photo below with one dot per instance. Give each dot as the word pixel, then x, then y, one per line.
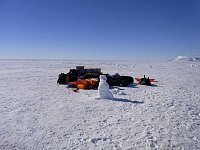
pixel 36 113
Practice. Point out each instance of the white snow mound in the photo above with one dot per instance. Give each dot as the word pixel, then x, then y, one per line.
pixel 103 89
pixel 187 58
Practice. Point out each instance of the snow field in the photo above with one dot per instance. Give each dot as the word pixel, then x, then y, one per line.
pixel 36 113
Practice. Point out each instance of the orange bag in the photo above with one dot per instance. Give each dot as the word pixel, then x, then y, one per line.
pixel 91 82
pixel 84 83
pixel 81 86
pixel 81 81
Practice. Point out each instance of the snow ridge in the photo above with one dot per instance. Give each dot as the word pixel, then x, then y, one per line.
pixel 187 58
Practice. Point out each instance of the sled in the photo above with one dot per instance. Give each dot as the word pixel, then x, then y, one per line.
pixel 139 79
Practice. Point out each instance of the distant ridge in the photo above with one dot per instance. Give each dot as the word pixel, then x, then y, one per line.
pixel 187 58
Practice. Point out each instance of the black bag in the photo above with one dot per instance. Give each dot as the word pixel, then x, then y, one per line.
pixel 125 80
pixel 73 73
pixel 145 81
pixel 91 75
pixel 62 78
pixel 117 80
pixel 66 78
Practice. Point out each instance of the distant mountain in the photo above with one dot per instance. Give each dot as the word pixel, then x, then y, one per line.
pixel 187 58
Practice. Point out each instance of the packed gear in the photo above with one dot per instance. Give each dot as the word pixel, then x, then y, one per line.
pixel 82 78
pixel 79 72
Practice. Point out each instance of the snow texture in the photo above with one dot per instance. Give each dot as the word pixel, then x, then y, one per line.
pixel 103 89
pixel 37 113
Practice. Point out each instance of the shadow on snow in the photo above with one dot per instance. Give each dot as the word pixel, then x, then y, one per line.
pixel 127 101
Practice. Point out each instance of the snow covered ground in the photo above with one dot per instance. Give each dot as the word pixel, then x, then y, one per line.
pixel 36 113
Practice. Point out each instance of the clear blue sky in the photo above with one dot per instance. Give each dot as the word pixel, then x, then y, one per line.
pixel 99 29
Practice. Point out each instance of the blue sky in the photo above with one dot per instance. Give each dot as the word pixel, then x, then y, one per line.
pixel 99 29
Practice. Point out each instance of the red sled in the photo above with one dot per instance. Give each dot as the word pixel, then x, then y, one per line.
pixel 139 80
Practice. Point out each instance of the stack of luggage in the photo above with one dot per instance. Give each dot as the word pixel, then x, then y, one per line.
pixel 89 78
